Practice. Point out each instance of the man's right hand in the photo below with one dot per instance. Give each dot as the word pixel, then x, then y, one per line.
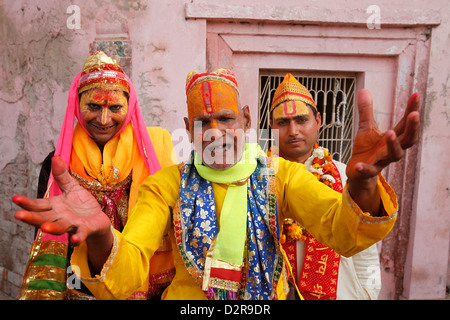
pixel 75 211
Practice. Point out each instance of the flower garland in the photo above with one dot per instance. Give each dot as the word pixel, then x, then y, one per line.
pixel 320 165
pixel 292 231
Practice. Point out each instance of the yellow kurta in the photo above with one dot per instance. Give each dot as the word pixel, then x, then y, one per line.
pixel 332 218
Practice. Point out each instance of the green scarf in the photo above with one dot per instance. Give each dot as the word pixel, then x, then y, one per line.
pixel 230 242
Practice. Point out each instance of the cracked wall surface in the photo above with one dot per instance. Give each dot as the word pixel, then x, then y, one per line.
pixel 40 55
pixel 29 71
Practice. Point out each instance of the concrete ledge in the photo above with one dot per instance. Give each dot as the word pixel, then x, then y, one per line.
pixel 310 15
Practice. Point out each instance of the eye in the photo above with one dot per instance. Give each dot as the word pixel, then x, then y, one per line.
pixel 94 106
pixel 301 120
pixel 226 119
pixel 199 123
pixel 115 108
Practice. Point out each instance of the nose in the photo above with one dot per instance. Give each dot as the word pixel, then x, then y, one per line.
pixel 214 124
pixel 219 129
pixel 292 130
pixel 214 131
pixel 106 116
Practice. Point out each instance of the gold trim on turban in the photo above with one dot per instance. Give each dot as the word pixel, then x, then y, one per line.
pixel 291 98
pixel 102 71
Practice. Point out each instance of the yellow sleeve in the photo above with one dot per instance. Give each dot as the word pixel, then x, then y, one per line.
pixel 163 145
pixel 332 218
pixel 128 264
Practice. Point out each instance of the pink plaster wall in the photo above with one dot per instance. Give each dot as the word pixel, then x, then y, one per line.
pixel 40 56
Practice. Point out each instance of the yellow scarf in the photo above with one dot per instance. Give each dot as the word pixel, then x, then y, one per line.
pixel 120 157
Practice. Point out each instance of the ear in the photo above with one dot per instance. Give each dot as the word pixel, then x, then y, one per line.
pixel 318 119
pixel 188 129
pixel 247 118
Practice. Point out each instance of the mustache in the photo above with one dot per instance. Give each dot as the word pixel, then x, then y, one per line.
pixel 219 137
pixel 295 139
pixel 219 144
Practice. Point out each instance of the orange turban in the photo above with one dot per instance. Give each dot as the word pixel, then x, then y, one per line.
pixel 291 98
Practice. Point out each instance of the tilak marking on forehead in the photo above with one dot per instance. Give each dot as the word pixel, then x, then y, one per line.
pixel 293 108
pixel 207 97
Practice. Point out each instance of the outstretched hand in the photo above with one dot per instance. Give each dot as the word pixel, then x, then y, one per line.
pixel 373 150
pixel 75 211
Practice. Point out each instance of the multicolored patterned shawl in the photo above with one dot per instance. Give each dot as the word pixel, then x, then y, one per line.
pixel 196 230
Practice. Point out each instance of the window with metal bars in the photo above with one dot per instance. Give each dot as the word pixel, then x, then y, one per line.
pixel 334 95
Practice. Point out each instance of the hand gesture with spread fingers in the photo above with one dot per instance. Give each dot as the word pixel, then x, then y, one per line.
pixel 373 150
pixel 75 211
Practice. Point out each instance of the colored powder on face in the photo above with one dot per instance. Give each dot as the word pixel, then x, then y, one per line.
pixel 211 97
pixel 104 98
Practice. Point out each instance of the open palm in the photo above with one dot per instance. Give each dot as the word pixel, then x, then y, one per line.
pixel 75 211
pixel 373 150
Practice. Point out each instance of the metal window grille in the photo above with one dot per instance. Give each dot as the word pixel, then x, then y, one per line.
pixel 334 95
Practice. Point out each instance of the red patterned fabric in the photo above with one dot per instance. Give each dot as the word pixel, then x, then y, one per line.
pixel 319 275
